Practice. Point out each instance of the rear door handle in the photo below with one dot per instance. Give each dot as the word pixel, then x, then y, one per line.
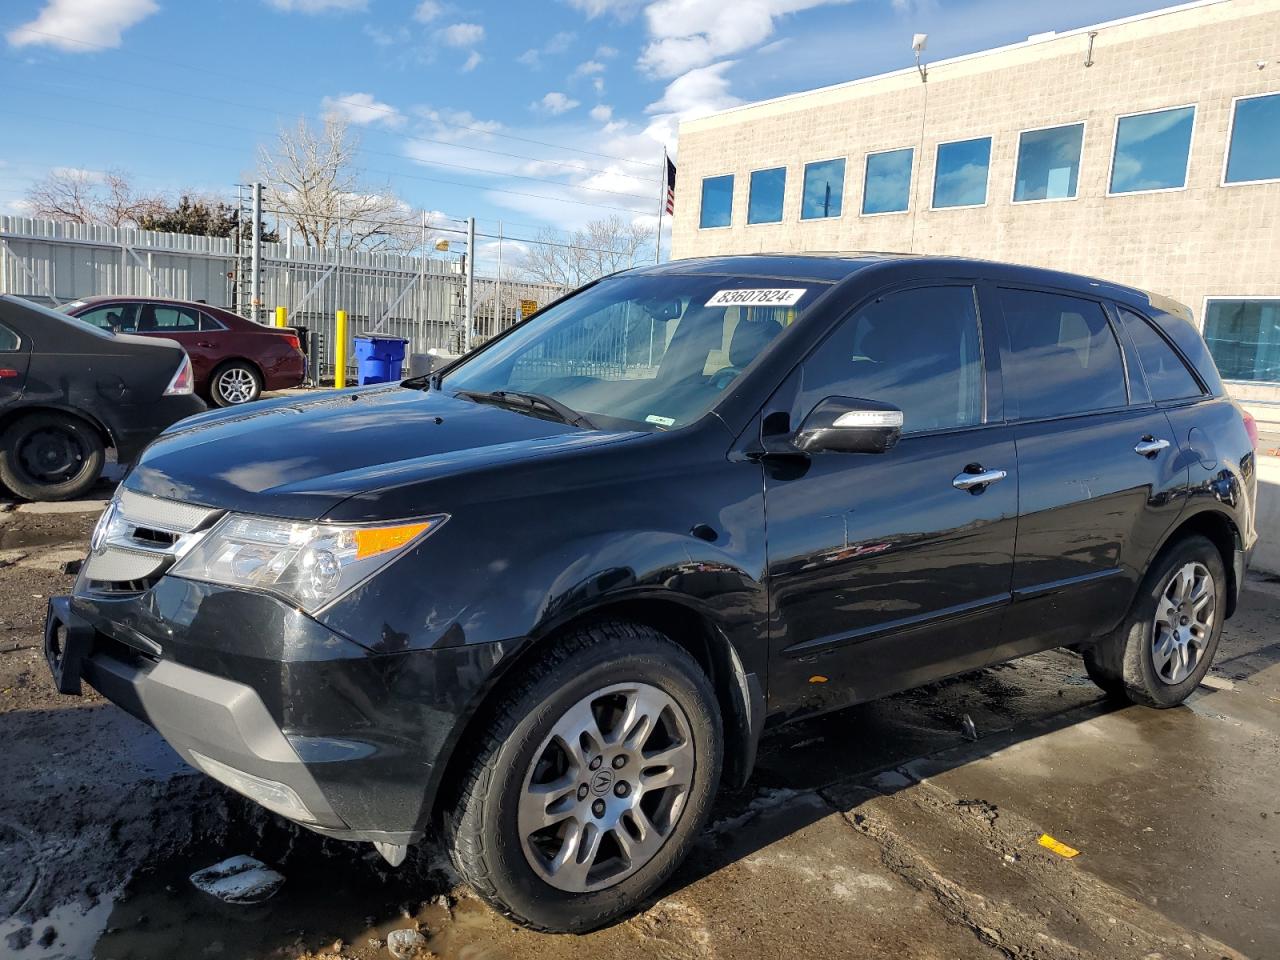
pixel 971 481
pixel 1149 446
pixel 204 343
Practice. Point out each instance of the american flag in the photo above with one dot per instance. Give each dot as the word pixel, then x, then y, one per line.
pixel 670 201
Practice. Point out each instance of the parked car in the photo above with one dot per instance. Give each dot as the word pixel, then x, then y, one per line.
pixel 235 359
pixel 68 392
pixel 548 598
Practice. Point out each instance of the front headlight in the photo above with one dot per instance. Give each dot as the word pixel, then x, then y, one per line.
pixel 308 564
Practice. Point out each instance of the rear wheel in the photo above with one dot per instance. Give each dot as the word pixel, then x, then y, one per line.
pixel 590 784
pixel 235 383
pixel 50 456
pixel 1167 642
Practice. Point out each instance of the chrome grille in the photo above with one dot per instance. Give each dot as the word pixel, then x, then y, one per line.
pixel 138 538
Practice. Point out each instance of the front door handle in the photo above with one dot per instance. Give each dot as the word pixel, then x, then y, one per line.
pixel 977 479
pixel 1149 446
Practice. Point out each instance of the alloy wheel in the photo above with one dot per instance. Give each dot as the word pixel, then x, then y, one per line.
pixel 606 787
pixel 236 385
pixel 1183 622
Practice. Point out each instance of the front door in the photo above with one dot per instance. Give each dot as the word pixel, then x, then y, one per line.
pixel 889 570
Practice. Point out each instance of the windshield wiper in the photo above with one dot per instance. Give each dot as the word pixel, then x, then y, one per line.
pixel 521 400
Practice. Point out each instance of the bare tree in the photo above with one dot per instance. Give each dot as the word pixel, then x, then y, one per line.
pixel 82 196
pixel 314 185
pixel 602 247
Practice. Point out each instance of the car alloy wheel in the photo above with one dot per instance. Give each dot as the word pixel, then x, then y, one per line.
pixel 606 787
pixel 1183 622
pixel 236 385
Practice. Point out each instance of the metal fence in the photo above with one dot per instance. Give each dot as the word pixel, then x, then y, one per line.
pixel 419 298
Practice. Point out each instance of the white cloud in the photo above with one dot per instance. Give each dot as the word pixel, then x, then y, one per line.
pixel 558 43
pixel 555 103
pixel 80 26
pixel 427 11
pixel 386 38
pixel 461 35
pixel 606 52
pixel 687 34
pixel 472 61
pixel 622 9
pixel 697 93
pixel 317 6
pixel 361 109
pixel 598 83
pixel 602 113
pixel 587 68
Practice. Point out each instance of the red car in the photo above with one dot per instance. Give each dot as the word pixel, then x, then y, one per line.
pixel 234 359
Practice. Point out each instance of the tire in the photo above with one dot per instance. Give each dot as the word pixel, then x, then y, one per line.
pixel 50 456
pixel 611 666
pixel 1179 610
pixel 235 383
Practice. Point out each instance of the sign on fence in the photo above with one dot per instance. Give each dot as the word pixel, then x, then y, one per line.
pixel 528 308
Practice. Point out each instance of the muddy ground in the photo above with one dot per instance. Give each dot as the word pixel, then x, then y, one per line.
pixel 881 831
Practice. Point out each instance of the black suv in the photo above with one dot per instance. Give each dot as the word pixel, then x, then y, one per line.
pixel 548 599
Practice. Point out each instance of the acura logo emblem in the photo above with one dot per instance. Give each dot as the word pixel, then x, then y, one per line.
pixel 601 782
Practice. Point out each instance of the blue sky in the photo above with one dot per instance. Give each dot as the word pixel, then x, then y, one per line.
pixel 541 112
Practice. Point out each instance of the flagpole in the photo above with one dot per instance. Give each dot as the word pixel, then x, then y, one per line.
pixel 662 205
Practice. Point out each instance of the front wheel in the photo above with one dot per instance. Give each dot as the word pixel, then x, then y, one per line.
pixel 50 456
pixel 591 782
pixel 235 383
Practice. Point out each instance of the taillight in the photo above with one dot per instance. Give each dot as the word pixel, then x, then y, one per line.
pixel 183 382
pixel 1251 427
pixel 293 341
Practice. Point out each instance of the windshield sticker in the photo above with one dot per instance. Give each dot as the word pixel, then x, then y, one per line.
pixel 660 421
pixel 771 297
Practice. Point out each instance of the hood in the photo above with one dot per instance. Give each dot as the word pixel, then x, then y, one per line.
pixel 299 457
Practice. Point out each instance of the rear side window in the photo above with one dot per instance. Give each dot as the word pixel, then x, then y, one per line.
pixel 1064 357
pixel 9 341
pixel 1167 376
pixel 153 317
pixel 918 349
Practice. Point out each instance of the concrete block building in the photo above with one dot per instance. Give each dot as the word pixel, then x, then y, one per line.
pixel 1144 150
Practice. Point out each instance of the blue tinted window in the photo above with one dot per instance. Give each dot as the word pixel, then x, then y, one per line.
pixel 1048 163
pixel 1255 140
pixel 888 186
pixel 717 201
pixel 1152 150
pixel 823 189
pixel 765 202
pixel 961 177
pixel 1244 338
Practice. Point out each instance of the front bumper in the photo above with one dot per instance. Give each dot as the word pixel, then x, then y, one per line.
pixel 360 740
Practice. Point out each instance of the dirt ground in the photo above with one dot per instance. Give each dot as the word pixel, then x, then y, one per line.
pixel 881 831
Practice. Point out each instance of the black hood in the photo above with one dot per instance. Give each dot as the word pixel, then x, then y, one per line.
pixel 299 457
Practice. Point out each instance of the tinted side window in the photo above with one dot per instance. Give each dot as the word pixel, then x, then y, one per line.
pixel 1167 376
pixel 210 323
pixel 1064 359
pixel 917 349
pixel 9 341
pixel 172 319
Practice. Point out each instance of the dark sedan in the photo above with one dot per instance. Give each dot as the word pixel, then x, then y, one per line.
pixel 69 391
pixel 235 359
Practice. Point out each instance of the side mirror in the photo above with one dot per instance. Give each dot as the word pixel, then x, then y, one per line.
pixel 844 425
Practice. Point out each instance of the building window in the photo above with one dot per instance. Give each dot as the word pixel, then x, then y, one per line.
pixel 960 177
pixel 888 184
pixel 823 189
pixel 1253 154
pixel 1152 151
pixel 1244 338
pixel 1048 163
pixel 764 204
pixel 717 201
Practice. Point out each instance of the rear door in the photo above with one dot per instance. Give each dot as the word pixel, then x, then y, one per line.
pixel 15 359
pixel 182 324
pixel 885 572
pixel 1099 471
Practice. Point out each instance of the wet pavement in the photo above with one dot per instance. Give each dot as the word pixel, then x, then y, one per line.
pixel 878 831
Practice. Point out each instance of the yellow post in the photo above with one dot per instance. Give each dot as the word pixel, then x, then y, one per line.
pixel 281 316
pixel 340 351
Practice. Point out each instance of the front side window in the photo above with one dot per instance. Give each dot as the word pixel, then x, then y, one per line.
pixel 116 316
pixel 1167 376
pixel 1254 151
pixel 764 205
pixel 1152 151
pixel 1048 163
pixel 1063 358
pixel 1244 338
pixel 717 201
pixel 960 179
pixel 918 349
pixel 641 352
pixel 823 189
pixel 888 183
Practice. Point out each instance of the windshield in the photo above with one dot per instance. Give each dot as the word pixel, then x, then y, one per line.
pixel 651 351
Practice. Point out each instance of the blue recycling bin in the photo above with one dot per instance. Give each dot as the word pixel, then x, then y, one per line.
pixel 379 359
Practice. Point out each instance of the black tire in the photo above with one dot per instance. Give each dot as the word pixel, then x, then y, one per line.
pixel 481 828
pixel 234 383
pixel 50 456
pixel 1125 663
